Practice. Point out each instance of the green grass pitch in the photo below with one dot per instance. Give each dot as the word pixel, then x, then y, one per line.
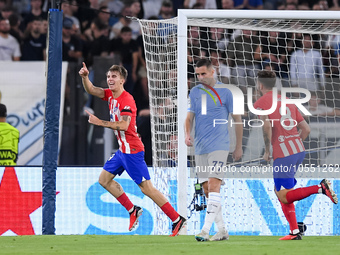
pixel 163 245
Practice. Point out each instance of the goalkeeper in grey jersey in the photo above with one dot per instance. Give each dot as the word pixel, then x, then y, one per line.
pixel 207 104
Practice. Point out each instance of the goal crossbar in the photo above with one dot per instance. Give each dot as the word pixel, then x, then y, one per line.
pixel 259 14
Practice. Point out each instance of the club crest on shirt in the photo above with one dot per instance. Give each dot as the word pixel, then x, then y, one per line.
pixel 115 110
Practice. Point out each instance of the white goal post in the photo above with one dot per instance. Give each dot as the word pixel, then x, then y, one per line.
pixel 166 50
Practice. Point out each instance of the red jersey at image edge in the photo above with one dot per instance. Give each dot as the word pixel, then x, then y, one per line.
pixel 128 140
pixel 286 140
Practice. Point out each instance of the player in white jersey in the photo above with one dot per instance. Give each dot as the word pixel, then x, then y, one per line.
pixel 211 141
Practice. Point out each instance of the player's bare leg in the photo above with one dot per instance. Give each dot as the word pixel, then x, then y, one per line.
pixel 205 189
pixel 178 221
pixel 149 190
pixel 281 195
pixel 214 185
pixel 106 180
pixel 116 190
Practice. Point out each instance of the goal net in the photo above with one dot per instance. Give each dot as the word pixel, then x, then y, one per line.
pixel 303 52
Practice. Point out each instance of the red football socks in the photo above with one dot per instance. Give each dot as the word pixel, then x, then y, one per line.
pixel 170 211
pixel 289 212
pixel 125 201
pixel 301 193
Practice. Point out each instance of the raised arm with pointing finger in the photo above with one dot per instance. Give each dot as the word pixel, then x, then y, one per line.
pixel 88 85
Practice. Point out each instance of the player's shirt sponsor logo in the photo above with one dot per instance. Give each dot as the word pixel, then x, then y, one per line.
pixel 281 138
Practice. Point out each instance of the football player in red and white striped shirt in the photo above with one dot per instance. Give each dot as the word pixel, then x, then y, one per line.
pixel 288 151
pixel 130 156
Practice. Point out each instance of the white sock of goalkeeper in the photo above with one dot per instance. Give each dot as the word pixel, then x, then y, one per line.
pixel 214 204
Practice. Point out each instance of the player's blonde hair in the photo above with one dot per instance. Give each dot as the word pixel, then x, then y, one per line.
pixel 120 69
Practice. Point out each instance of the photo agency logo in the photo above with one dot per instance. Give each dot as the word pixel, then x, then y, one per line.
pixel 238 105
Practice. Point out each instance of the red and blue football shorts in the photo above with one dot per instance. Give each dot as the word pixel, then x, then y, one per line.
pixel 134 164
pixel 284 170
